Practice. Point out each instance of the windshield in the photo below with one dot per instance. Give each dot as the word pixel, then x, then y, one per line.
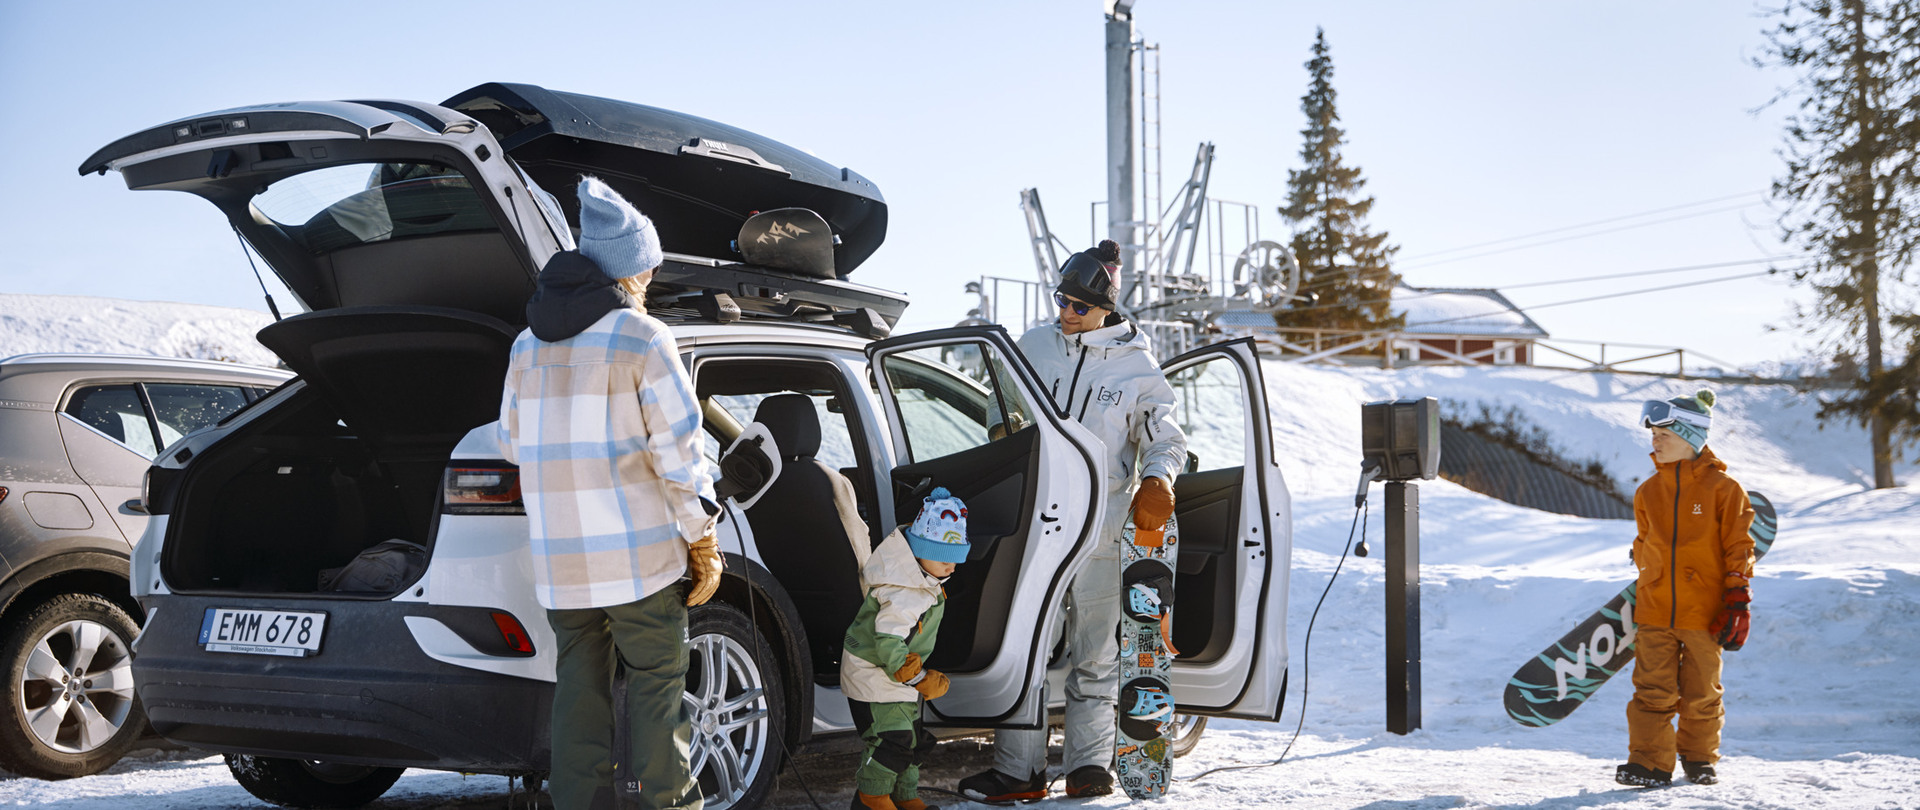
pixel 329 209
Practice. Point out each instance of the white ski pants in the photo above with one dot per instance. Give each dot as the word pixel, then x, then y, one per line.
pixel 1093 653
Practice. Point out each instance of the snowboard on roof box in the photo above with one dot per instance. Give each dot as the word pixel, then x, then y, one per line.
pixel 1143 743
pixel 1552 684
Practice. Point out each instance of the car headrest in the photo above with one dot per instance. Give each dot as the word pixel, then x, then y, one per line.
pixel 792 421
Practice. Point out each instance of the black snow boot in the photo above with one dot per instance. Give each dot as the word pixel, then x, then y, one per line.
pixel 1638 775
pixel 1088 781
pixel 994 787
pixel 1700 773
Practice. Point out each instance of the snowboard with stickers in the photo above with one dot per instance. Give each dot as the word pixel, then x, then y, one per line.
pixel 1143 745
pixel 1563 676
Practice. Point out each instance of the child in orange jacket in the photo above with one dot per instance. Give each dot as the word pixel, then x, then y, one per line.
pixel 1695 559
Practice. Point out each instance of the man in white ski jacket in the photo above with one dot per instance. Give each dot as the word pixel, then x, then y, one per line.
pixel 1100 368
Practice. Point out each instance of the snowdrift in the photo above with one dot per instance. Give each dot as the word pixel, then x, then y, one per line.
pixel 75 323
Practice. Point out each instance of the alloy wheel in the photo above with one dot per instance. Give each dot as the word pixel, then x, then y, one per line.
pixel 76 690
pixel 727 703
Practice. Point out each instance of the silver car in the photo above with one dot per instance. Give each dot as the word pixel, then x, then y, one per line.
pixel 77 433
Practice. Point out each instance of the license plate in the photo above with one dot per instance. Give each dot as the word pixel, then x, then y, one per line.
pixel 262 632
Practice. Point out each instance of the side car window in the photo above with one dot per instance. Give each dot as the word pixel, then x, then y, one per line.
pixel 1211 407
pixel 954 398
pixel 116 411
pixel 836 441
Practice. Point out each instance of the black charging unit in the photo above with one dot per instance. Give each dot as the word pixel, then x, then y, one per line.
pixel 1400 443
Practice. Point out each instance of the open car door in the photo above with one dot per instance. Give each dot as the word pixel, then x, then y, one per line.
pixel 1236 539
pixel 360 203
pixel 965 412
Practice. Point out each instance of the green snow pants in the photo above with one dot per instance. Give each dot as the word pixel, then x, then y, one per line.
pixel 650 638
pixel 897 744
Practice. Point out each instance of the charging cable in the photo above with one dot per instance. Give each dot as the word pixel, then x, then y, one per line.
pixel 1360 512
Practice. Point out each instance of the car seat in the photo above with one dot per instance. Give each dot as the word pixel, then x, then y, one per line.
pixel 805 527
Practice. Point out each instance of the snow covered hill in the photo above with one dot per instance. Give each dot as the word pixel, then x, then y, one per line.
pixel 75 323
pixel 1821 711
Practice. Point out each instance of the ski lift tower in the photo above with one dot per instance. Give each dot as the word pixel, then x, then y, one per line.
pixel 1121 225
pixel 1160 287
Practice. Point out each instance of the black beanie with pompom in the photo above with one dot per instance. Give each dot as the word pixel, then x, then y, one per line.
pixel 1093 275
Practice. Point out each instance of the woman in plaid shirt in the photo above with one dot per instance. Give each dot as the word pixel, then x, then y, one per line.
pixel 601 417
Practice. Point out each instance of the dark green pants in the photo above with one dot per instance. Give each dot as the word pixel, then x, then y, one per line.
pixel 897 744
pixel 650 637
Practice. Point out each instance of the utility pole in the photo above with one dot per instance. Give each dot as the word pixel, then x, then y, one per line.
pixel 1121 224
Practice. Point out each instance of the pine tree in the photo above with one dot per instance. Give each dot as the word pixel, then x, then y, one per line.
pixel 1850 196
pixel 1346 268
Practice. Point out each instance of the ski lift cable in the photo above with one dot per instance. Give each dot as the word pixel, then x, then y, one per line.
pixel 1713 266
pixel 1589 234
pixel 1767 272
pixel 1565 228
pixel 1689 268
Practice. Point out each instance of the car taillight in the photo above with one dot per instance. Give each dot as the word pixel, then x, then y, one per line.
pixel 3 494
pixel 483 489
pixel 512 633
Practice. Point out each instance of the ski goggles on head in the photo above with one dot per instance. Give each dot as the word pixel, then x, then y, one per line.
pixel 1661 413
pixel 1078 307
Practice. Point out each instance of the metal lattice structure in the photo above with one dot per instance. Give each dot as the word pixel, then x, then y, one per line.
pixel 1183 266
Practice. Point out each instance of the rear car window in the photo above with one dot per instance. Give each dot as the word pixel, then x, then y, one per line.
pixel 338 207
pixel 182 409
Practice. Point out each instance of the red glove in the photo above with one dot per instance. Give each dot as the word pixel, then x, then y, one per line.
pixel 1730 627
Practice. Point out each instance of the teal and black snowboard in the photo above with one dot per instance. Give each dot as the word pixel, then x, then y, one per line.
pixel 1555 682
pixel 1143 745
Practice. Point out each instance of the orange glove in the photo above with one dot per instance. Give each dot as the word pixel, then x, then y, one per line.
pixel 932 683
pixel 907 670
pixel 1152 504
pixel 703 566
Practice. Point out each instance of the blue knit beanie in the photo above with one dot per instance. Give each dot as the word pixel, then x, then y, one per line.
pixel 618 238
pixel 940 532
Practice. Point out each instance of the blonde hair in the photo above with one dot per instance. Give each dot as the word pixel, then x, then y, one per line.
pixel 636 286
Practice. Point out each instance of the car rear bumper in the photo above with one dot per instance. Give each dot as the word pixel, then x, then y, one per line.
pixel 369 696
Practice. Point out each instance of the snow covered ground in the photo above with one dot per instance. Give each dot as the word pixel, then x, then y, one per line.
pixel 1821 711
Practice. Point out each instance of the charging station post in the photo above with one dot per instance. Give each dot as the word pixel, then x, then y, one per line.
pixel 1400 441
pixel 1403 607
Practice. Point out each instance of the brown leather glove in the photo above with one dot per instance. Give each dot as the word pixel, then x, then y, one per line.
pixel 932 683
pixel 1152 504
pixel 907 670
pixel 703 566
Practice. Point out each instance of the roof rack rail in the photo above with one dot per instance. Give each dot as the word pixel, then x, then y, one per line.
pixel 690 287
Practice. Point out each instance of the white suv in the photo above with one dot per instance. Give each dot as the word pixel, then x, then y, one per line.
pixel 413 232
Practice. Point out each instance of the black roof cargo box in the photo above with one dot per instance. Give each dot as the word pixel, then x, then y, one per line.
pixel 698 180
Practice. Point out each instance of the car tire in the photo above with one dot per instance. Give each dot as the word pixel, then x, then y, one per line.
pixel 1186 733
pixel 64 716
pixel 307 783
pixel 735 700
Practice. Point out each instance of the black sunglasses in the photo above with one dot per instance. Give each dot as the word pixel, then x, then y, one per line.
pixel 1068 303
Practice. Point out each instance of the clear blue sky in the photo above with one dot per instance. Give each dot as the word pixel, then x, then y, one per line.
pixel 1474 122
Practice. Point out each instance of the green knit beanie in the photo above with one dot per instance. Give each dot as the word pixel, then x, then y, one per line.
pixel 1701 403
